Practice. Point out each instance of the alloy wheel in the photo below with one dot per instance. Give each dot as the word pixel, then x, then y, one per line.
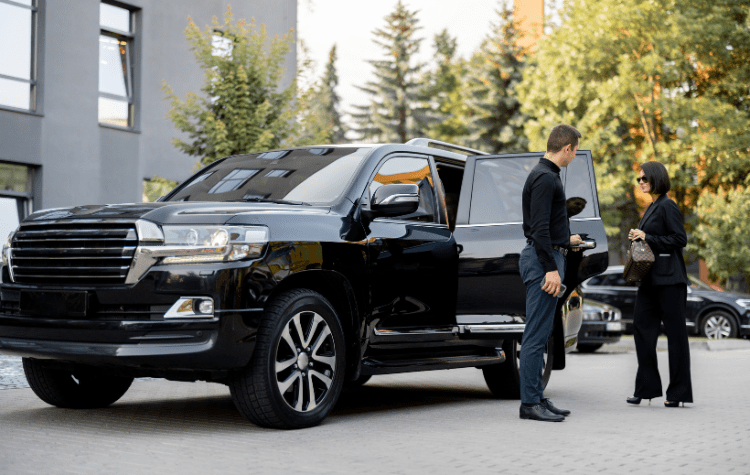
pixel 305 361
pixel 717 327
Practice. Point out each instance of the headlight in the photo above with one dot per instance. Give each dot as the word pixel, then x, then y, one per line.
pixel 192 244
pixel 744 303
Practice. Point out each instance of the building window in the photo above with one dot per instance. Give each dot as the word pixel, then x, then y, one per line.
pixel 16 184
pixel 116 105
pixel 18 54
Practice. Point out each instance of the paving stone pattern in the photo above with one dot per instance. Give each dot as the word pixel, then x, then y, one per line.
pixel 432 423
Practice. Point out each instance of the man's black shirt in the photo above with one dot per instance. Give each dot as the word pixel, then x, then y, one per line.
pixel 545 218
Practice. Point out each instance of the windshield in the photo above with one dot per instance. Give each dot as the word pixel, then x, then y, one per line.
pixel 311 175
pixel 698 284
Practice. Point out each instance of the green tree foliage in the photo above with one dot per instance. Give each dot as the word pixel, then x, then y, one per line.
pixel 642 80
pixel 495 119
pixel 723 234
pixel 320 119
pixel 395 112
pixel 156 187
pixel 242 108
pixel 443 92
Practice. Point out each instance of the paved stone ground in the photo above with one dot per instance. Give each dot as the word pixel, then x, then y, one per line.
pixel 433 422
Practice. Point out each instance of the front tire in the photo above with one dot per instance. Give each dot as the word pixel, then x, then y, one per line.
pixel 83 388
pixel 504 380
pixel 718 325
pixel 297 371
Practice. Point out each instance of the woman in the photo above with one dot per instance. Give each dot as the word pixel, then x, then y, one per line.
pixel 662 295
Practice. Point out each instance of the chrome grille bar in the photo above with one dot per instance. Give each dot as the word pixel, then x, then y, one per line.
pixel 73 252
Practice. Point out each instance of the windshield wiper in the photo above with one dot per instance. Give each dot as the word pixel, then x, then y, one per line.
pixel 271 200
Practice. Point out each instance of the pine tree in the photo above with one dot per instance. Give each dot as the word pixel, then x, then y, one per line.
pixel 443 92
pixel 242 108
pixel 320 120
pixel 495 118
pixel 395 113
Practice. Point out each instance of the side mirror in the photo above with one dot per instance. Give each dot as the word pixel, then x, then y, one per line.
pixel 395 200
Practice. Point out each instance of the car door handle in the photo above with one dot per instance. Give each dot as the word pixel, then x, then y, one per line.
pixel 586 244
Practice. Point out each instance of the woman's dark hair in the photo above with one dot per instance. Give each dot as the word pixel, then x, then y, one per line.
pixel 657 176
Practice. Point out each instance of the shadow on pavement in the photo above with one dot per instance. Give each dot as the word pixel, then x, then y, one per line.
pixel 218 414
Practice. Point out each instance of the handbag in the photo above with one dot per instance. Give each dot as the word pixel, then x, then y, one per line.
pixel 639 261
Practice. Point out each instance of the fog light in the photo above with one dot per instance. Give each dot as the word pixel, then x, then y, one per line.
pixel 206 307
pixel 191 307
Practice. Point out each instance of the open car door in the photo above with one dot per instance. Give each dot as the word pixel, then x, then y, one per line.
pixel 489 233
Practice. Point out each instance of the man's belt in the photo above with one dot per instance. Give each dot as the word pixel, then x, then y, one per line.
pixel 559 249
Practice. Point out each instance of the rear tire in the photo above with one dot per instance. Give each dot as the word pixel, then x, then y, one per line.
pixel 84 388
pixel 297 370
pixel 588 348
pixel 504 380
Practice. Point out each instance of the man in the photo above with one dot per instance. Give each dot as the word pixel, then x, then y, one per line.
pixel 542 265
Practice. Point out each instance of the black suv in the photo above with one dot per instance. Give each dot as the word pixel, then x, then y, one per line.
pixel 289 273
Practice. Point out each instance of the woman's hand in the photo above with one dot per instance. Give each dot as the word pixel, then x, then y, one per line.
pixel 636 234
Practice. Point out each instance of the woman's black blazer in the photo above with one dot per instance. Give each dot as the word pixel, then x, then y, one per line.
pixel 665 234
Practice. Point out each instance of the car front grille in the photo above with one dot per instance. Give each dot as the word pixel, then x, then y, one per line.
pixel 73 253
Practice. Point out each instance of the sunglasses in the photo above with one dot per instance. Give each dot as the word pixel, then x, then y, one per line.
pixel 641 179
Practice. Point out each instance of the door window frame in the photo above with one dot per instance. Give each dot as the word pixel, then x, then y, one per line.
pixel 437 219
pixel 467 187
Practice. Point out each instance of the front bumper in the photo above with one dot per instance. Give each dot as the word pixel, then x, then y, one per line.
pixel 125 325
pixel 595 332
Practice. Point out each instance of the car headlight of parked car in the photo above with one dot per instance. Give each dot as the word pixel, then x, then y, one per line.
pixel 191 244
pixel 591 312
pixel 744 303
pixel 181 244
pixel 6 248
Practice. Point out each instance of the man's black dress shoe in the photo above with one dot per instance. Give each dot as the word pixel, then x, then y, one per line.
pixel 539 413
pixel 548 405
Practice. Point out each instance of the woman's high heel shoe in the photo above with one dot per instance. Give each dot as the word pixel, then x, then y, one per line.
pixel 673 404
pixel 636 400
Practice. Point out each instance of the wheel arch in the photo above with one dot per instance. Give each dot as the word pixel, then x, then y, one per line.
pixel 712 308
pixel 337 289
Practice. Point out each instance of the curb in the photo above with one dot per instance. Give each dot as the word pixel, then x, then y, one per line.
pixel 700 345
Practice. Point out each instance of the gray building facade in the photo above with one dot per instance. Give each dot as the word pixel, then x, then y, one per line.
pixel 82 110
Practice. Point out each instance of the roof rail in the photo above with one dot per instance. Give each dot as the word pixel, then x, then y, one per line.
pixel 425 142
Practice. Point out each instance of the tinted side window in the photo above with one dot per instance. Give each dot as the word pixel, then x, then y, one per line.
pixel 595 281
pixel 496 195
pixel 578 189
pixel 409 170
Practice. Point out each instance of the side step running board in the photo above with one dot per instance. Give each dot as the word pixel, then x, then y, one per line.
pixel 504 328
pixel 375 366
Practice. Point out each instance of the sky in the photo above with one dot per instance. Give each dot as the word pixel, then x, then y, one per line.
pixel 349 24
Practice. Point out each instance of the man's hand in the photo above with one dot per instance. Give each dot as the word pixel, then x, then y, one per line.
pixel 575 240
pixel 552 282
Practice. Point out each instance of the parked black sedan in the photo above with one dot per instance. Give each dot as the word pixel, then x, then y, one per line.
pixel 601 324
pixel 710 313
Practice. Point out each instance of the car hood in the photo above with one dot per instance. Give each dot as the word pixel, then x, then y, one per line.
pixel 171 213
pixel 719 295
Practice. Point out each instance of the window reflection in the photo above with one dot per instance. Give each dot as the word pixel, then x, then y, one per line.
pixel 409 170
pixel 17 23
pixel 115 66
pixel 306 177
pixel 233 181
pixel 113 17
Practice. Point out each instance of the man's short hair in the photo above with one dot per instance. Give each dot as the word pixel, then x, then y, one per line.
pixel 561 136
pixel 657 177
